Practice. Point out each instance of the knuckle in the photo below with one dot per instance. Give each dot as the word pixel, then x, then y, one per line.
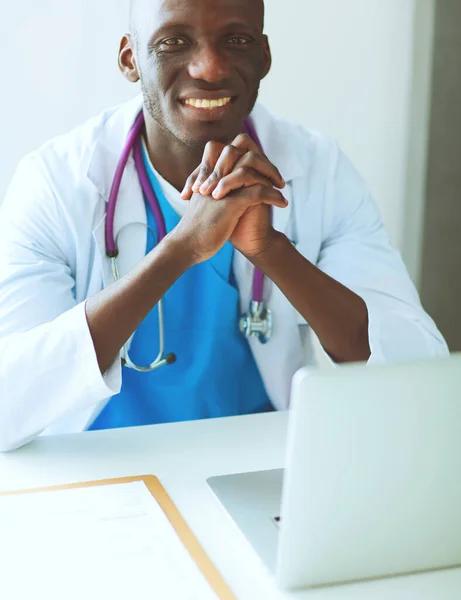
pixel 242 138
pixel 204 170
pixel 249 158
pixel 210 146
pixel 230 151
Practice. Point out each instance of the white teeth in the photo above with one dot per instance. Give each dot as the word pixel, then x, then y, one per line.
pixel 207 104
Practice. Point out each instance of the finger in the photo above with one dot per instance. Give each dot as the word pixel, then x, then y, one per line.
pixel 224 165
pixel 259 194
pixel 275 198
pixel 245 142
pixel 210 158
pixel 239 178
pixel 260 162
pixel 187 192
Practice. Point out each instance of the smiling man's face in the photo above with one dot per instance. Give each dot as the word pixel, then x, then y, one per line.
pixel 200 63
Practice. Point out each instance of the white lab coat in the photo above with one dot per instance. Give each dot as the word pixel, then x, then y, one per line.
pixel 52 258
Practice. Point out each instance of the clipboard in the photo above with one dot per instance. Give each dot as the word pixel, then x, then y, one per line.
pixel 184 533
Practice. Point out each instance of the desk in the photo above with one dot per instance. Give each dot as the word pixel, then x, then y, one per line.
pixel 183 455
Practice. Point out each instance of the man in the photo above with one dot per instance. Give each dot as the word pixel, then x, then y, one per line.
pixel 296 210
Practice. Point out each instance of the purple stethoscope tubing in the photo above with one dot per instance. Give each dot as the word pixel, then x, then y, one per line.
pixel 133 144
pixel 258 278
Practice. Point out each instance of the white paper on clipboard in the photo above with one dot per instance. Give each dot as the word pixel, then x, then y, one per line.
pixel 110 541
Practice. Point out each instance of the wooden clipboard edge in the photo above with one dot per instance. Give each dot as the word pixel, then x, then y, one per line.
pixel 173 515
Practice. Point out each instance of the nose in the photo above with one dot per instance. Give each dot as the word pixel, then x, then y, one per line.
pixel 209 65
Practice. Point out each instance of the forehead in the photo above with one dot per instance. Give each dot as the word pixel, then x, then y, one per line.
pixel 149 16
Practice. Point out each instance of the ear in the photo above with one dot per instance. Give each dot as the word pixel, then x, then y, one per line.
pixel 267 57
pixel 127 59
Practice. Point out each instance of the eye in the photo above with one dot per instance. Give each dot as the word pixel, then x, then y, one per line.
pixel 238 40
pixel 174 42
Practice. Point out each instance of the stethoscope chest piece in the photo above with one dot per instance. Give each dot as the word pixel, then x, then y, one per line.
pixel 257 322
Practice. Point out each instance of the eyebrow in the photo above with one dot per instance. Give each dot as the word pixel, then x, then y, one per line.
pixel 240 25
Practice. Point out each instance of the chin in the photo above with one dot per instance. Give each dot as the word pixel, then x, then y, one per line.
pixel 210 131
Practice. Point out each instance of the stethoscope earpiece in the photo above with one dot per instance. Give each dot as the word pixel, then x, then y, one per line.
pixel 170 359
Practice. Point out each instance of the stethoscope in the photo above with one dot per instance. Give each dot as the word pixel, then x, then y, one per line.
pixel 257 323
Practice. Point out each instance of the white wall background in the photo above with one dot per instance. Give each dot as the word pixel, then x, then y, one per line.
pixel 342 67
pixel 60 69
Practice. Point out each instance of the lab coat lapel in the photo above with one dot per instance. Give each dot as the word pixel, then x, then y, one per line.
pixel 130 215
pixel 130 228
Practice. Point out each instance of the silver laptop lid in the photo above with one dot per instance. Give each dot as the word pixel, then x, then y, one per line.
pixel 373 484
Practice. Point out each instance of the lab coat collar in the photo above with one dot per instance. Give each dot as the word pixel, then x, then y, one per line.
pixel 273 135
pixel 110 140
pixel 114 131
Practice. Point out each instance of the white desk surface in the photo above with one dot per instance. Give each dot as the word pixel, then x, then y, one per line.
pixel 182 456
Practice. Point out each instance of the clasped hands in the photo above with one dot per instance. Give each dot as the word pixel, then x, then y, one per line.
pixel 230 195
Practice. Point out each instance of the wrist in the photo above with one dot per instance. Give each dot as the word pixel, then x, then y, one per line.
pixel 180 250
pixel 274 244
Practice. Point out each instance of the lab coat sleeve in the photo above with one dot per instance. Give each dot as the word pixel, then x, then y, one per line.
pixel 356 252
pixel 48 365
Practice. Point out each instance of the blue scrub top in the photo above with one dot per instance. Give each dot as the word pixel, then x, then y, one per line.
pixel 215 374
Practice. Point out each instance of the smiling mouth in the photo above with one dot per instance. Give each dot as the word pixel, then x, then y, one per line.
pixel 206 104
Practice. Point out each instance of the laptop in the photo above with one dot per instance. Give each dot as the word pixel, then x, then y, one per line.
pixel 372 485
